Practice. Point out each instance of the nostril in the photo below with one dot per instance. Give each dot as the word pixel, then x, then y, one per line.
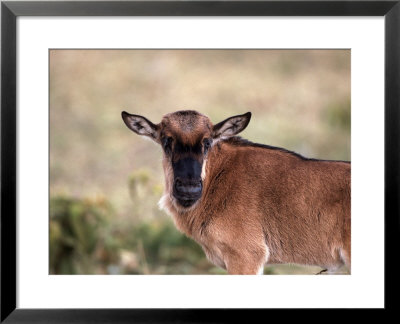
pixel 178 185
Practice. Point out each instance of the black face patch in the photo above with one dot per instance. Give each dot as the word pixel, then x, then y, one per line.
pixel 181 148
pixel 187 168
pixel 188 185
pixel 187 165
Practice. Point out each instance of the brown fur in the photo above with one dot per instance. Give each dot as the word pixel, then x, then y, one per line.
pixel 188 126
pixel 261 204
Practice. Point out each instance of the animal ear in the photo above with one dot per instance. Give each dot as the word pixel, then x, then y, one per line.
pixel 231 126
pixel 141 125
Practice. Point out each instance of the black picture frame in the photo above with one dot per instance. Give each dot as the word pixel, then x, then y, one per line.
pixel 10 10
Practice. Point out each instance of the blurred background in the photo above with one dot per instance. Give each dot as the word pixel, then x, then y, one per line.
pixel 105 181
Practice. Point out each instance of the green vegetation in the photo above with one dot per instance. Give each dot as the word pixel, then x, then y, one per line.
pixel 105 181
pixel 84 239
pixel 338 115
pixel 79 236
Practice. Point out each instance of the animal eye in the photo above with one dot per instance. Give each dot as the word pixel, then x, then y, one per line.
pixel 206 144
pixel 167 143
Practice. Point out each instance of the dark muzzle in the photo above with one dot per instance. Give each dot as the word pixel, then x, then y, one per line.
pixel 187 181
pixel 190 188
pixel 187 191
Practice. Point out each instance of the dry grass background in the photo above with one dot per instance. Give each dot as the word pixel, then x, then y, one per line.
pixel 300 100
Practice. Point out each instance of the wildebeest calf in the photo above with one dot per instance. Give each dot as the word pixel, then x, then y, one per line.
pixel 249 204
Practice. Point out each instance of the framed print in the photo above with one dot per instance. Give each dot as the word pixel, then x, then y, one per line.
pixel 82 238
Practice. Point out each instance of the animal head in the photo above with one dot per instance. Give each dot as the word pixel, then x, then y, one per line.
pixel 186 138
